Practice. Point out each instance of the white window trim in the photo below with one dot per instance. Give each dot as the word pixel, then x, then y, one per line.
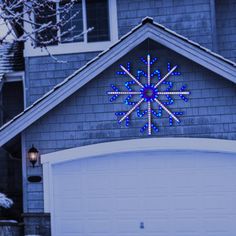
pixel 78 47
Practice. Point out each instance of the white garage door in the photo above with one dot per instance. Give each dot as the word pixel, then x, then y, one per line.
pixel 146 194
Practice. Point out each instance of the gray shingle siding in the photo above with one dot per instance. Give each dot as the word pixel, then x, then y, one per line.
pixel 88 117
pixel 226 28
pixel 189 18
pixel 43 73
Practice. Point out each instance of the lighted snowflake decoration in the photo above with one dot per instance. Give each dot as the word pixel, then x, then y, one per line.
pixel 149 93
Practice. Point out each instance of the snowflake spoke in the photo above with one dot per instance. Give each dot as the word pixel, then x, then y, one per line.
pixel 149 119
pixel 173 93
pixel 131 110
pixel 125 93
pixel 131 76
pixel 148 65
pixel 166 109
pixel 157 99
pixel 166 76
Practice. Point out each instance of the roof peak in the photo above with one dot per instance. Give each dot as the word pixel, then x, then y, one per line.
pixel 147 19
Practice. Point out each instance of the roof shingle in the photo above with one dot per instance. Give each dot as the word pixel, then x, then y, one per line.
pixel 11 58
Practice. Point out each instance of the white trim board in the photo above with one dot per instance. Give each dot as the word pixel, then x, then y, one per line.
pixel 134 145
pixel 147 30
pixel 197 144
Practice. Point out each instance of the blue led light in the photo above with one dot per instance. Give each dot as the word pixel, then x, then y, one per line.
pixel 149 93
pixel 155 88
pixel 159 113
pixel 141 113
pixel 178 113
pixel 182 96
pixel 121 113
pixel 146 126
pixel 169 67
pixel 152 61
pixel 122 72
pixel 128 102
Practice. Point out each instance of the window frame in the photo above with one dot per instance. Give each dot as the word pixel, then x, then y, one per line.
pixel 78 47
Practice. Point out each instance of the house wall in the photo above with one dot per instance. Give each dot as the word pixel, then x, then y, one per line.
pixel 226 28
pixel 43 73
pixel 88 117
pixel 192 19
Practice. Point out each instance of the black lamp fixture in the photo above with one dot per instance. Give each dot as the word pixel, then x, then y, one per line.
pixel 33 155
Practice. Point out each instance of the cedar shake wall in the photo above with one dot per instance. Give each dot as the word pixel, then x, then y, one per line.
pixel 226 28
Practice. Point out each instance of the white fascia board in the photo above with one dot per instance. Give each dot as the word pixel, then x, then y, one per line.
pixel 193 53
pixel 136 145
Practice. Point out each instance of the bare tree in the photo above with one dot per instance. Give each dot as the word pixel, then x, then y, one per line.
pixel 42 22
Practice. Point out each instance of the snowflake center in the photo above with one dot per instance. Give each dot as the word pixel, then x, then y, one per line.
pixel 149 93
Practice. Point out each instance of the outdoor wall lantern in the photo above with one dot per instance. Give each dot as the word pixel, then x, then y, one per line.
pixel 33 155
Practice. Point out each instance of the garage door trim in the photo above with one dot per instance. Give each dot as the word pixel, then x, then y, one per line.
pixel 151 144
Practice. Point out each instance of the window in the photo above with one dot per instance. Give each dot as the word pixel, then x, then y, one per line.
pixel 63 39
pixel 82 15
pixel 97 17
pixel 73 27
pixel 44 15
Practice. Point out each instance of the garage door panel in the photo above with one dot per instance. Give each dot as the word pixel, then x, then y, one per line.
pixel 219 226
pixel 71 226
pixel 219 189
pixel 185 203
pixel 70 183
pixel 92 165
pixel 69 168
pixel 118 165
pixel 127 203
pixel 219 201
pixel 68 204
pixel 98 204
pixel 173 194
pixel 126 227
pixel 155 203
pixel 97 183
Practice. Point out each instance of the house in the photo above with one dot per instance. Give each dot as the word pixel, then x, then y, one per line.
pixel 167 166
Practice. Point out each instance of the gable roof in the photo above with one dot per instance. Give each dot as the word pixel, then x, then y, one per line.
pixel 146 30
